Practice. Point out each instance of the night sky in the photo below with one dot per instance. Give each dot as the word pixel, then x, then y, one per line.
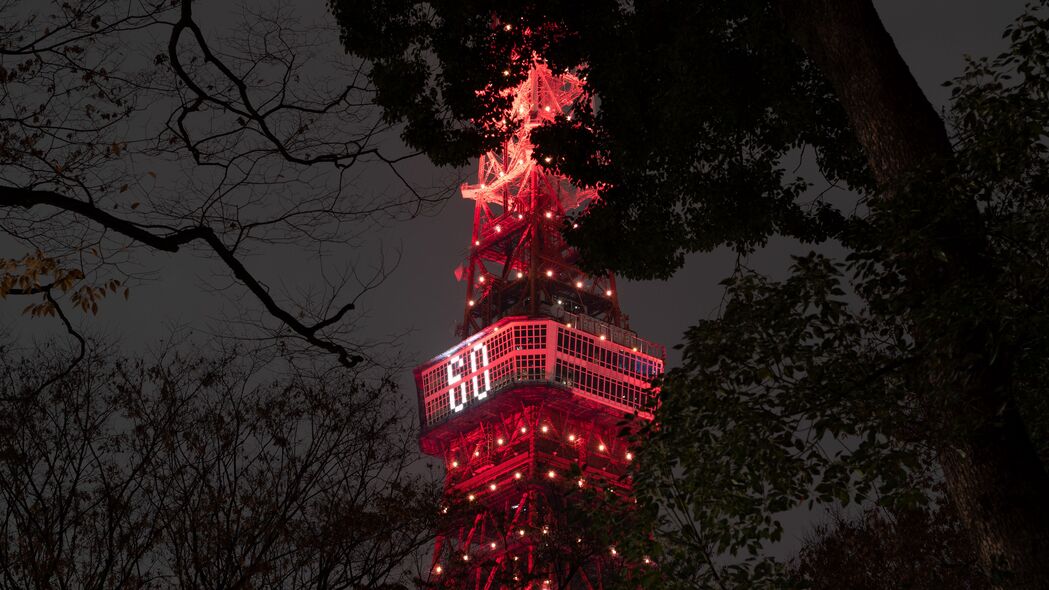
pixel 420 303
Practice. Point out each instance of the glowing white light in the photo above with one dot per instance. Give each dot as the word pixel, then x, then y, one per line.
pixel 608 293
pixel 549 273
pixel 579 284
pixel 601 447
pixel 520 274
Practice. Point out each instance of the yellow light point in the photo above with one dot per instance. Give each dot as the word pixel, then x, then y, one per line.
pixel 568 325
pixel 483 185
pixel 547 108
pixel 614 552
pixel 515 559
pixel 506 72
pixel 579 284
pixel 499 441
pixel 477 242
pixel 549 273
pixel 571 438
pixel 547 159
pixel 455 464
pixel 517 475
pixel 470 303
pixel 508 27
pixel 492 544
pixel 602 336
pixel 549 214
pixel 608 293
pixel 551 474
pixel 471 497
pixel 629 456
pixel 492 487
pixel 520 532
pixel 520 215
pixel 647 560
pixel 582 482
pixel 477 453
pixel 520 275
pixel 480 280
pixel 546 530
pixel 545 428
pixel 601 447
pixel 498 229
pixel 568 116
pixel 559 302
pixel 466 557
pixel 635 349
pixel 438 569
pixel 524 429
pixel 575 226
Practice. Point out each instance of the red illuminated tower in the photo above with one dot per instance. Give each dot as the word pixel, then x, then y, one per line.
pixel 533 394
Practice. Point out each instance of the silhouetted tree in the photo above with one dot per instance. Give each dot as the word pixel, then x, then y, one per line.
pixel 912 549
pixel 185 471
pixel 129 128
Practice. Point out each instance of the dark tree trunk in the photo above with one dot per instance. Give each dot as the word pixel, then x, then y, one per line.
pixel 992 471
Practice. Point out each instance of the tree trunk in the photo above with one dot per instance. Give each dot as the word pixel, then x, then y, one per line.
pixel 991 469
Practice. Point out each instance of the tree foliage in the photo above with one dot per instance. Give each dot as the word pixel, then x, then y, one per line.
pixel 172 470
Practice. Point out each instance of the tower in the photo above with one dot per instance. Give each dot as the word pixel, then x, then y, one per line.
pixel 529 404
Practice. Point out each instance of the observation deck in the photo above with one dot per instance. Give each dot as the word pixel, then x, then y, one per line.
pixel 576 364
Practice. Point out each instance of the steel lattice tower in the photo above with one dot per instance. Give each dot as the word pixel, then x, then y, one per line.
pixel 532 397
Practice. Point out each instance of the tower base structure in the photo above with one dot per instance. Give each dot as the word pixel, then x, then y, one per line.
pixel 527 416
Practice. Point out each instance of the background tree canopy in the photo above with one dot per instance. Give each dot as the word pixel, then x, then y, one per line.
pixel 916 356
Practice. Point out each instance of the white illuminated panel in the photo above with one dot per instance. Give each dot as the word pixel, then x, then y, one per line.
pixel 534 351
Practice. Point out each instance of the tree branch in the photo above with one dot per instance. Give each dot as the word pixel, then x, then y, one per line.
pixel 172 242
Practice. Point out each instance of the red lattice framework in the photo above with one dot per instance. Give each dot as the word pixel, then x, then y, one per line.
pixel 518 262
pixel 526 410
